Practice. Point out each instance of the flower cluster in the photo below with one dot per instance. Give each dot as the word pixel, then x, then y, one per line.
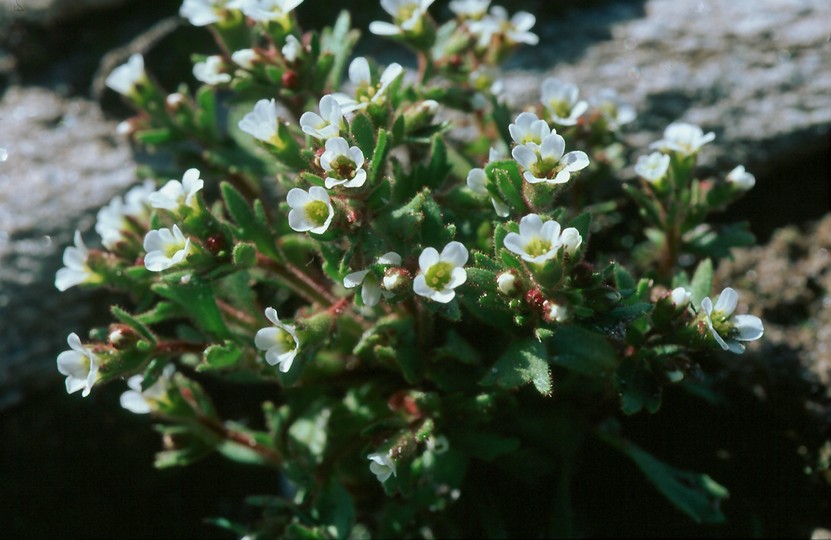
pixel 429 289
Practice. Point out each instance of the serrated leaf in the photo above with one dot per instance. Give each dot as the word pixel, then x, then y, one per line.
pixel 624 280
pixel 249 226
pixel 702 282
pixel 583 351
pixel 220 356
pixel 379 157
pixel 198 300
pixel 133 323
pixel 523 362
pixel 360 127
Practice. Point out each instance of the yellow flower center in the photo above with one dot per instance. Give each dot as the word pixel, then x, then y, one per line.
pixel 438 276
pixel 317 212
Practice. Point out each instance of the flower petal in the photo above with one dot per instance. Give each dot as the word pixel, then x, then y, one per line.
pixel 727 301
pixel 428 258
pixel 454 253
pixel 750 327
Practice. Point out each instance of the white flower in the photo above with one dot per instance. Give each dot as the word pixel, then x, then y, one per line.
pixel 470 9
pixel 536 242
pixel 477 181
pixel 244 58
pixel 280 344
pixel 680 297
pixel 506 283
pixel 80 365
pixel 263 123
pixel 614 110
pixel 210 71
pixel 366 92
pixel 740 178
pixel 310 211
pixel 686 139
pixel 165 248
pixel 382 466
pixel 528 129
pixel 516 30
pixel 116 216
pixel 546 162
pixel 125 77
pixel 561 101
pixel 292 49
pixel 140 401
pixel 653 167
pixel 343 164
pixel 440 274
pixel 406 14
pixel 325 125
pixel 371 290
pixel 176 194
pixel 75 270
pixel 268 10
pixel 571 240
pixel 204 12
pixel 728 329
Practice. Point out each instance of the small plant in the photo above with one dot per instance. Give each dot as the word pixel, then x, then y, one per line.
pixel 439 295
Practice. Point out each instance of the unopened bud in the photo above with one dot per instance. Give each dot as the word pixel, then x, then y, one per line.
pixel 506 283
pixel 740 178
pixel 289 79
pixel 555 312
pixel 571 240
pixel 121 336
pixel 395 279
pixel 680 297
pixel 174 101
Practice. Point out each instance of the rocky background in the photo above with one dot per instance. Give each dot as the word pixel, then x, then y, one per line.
pixel 756 72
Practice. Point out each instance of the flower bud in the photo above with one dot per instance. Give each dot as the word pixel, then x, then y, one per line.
pixel 420 114
pixel 556 312
pixel 740 178
pixel 506 283
pixel 571 240
pixel 396 279
pixel 174 101
pixel 680 297
pixel 289 79
pixel 122 337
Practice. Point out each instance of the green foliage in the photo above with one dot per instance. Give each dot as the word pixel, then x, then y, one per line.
pixel 399 318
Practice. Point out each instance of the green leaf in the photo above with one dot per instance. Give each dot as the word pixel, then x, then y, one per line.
pixel 583 224
pixel 625 282
pixel 695 494
pixel 433 230
pixel 206 114
pixel 334 508
pixel 439 168
pixel 523 362
pixel 719 243
pixel 339 41
pixel 197 299
pixel 362 131
pixel 220 356
pixel 250 227
pixel 189 449
pixel 310 432
pixel 379 157
pixel 702 282
pixel 639 388
pixel 133 323
pixel 583 351
pixel 161 312
pixel 505 175
pixel 154 136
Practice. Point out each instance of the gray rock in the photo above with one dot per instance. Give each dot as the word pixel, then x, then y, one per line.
pixel 51 12
pixel 64 162
pixel 754 71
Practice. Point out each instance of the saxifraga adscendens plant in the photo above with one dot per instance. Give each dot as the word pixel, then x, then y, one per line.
pixel 419 305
